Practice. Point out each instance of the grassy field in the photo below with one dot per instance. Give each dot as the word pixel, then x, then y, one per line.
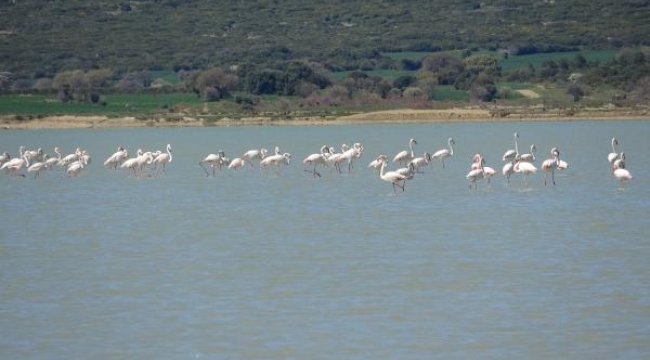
pixel 115 104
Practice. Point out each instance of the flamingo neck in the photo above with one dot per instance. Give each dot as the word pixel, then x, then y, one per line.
pixel 451 148
pixel 516 144
pixel 382 170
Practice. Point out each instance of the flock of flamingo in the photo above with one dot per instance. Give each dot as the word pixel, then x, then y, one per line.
pixel 146 162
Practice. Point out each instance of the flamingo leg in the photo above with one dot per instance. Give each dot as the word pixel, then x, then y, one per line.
pixel 204 169
pixel 553 176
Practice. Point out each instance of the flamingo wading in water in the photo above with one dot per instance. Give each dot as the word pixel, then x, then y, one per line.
pixel 404 157
pixel 445 153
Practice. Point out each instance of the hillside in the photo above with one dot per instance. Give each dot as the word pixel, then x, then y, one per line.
pixel 42 37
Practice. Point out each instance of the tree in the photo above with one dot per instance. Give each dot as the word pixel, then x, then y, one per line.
pixel 482 64
pixel 413 94
pixel 215 84
pixel 405 81
pixel 428 82
pixel 642 89
pixel 43 84
pixel 72 85
pixel 445 68
pixel 99 78
pixel 576 91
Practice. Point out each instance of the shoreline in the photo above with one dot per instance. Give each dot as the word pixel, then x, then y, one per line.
pixel 401 116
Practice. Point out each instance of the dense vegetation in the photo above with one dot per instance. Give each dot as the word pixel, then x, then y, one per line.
pixel 333 53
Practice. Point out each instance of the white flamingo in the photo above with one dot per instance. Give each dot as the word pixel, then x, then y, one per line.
pixel 163 159
pixel 529 157
pixel 375 164
pixel 53 161
pixel 421 161
pixel 16 165
pixel 549 165
pixel 215 161
pixel 352 153
pixel 613 156
pixel 254 154
pixel 392 177
pixel 137 162
pixel 4 157
pixel 337 158
pixel 404 156
pixel 76 167
pixel 620 172
pixel 476 173
pixel 408 171
pixel 508 169
pixel 34 154
pixel 511 154
pixel 445 153
pixel 477 162
pixel 37 167
pixel 276 160
pixel 525 168
pixel 236 163
pixel 66 160
pixel 317 159
pixel 116 159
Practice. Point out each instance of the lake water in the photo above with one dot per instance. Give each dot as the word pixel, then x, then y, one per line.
pixel 247 265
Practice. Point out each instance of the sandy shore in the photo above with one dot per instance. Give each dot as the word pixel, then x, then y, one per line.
pixel 389 116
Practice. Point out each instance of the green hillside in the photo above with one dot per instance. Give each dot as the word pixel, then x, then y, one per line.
pixel 42 37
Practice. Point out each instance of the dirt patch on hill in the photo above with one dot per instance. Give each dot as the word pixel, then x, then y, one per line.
pixel 529 93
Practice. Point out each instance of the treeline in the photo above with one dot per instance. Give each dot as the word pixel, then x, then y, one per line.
pixel 313 83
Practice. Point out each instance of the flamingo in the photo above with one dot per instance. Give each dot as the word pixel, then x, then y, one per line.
pixel 421 161
pixel 276 160
pixel 66 160
pixel 408 171
pixel 549 165
pixel 15 165
pixel 163 159
pixel 352 153
pixel 35 154
pixel 508 170
pixel 529 157
pixel 75 167
pixel 477 174
pixel 51 162
pixel 116 159
pixel 392 177
pixel 317 159
pixel 375 164
pixel 37 167
pixel 611 157
pixel 85 156
pixel 525 168
pixel 236 163
pixel 477 162
pixel 511 154
pixel 337 158
pixel 406 156
pixel 445 153
pixel 137 162
pixel 215 160
pixel 620 172
pixel 4 157
pixel 254 154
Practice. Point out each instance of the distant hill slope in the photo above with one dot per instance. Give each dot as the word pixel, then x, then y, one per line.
pixel 41 37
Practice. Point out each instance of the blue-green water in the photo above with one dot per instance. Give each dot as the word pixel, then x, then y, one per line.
pixel 259 266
